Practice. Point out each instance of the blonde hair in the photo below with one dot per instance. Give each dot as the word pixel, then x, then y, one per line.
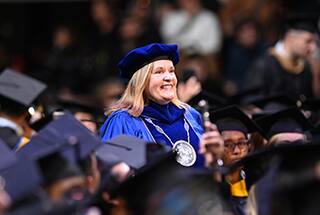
pixel 134 98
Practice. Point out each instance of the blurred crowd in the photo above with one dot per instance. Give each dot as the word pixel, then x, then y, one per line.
pixel 219 40
pixel 262 56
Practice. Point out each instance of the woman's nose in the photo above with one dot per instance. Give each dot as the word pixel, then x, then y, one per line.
pixel 167 76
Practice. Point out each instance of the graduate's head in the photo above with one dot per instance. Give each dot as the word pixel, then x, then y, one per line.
pixel 18 92
pixel 235 127
pixel 62 179
pixel 236 146
pixel 165 187
pixel 10 108
pixel 300 38
pixel 86 112
pixel 61 148
pixel 287 126
pixel 151 73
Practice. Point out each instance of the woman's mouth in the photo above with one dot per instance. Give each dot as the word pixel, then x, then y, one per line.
pixel 166 86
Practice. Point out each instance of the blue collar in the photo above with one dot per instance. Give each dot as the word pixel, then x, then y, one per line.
pixel 167 113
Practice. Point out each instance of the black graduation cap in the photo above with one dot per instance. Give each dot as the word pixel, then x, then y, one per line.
pixel 63 132
pixel 297 187
pixel 62 167
pixel 40 123
pixel 284 167
pixel 311 109
pixel 128 149
pixel 80 103
pixel 275 102
pixel 301 21
pixel 46 119
pixel 232 118
pixel 288 154
pixel 213 100
pixel 261 160
pixel 106 160
pixel 166 187
pixel 259 164
pixel 245 96
pixel 312 104
pixel 20 88
pixel 27 175
pixel 289 120
pixel 21 179
pixel 55 153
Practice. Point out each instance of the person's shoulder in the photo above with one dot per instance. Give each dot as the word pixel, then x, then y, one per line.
pixel 119 122
pixel 120 114
pixel 116 118
pixel 9 136
pixel 8 132
pixel 265 60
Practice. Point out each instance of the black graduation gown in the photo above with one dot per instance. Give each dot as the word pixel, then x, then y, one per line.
pixel 268 73
pixel 253 173
pixel 9 136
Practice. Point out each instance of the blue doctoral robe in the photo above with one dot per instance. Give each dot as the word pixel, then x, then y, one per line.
pixel 121 122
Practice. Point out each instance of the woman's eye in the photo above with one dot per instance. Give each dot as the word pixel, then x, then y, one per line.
pixel 157 72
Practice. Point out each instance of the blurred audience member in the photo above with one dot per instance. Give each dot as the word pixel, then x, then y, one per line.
pixel 102 15
pixel 84 108
pixel 314 61
pixel 102 46
pixel 267 13
pixel 202 68
pixel 188 89
pixel 63 62
pixel 137 27
pixel 109 92
pixel 242 49
pixel 17 94
pixel 284 68
pixel 130 32
pixel 194 28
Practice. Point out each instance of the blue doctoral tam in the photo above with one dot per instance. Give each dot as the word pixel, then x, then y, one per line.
pixel 139 57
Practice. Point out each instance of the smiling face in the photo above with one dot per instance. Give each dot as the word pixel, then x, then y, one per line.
pixel 162 83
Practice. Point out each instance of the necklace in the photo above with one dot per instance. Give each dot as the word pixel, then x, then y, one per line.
pixel 186 155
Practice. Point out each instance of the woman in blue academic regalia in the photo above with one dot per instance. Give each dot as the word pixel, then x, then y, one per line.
pixel 150 109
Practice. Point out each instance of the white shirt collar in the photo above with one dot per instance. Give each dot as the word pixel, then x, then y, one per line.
pixel 4 122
